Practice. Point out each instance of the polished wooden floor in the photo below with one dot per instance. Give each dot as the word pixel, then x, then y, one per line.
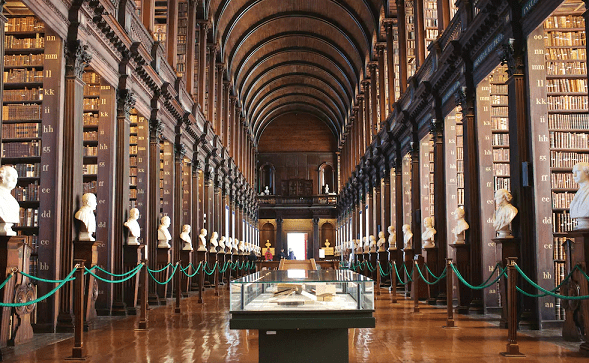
pixel 201 334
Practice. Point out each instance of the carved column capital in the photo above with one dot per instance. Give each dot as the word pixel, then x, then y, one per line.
pixel 76 58
pixel 125 102
pixel 156 127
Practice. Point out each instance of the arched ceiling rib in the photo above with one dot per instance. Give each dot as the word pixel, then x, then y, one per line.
pixel 294 55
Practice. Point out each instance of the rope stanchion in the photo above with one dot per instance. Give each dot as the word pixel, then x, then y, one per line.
pixel 195 272
pixel 546 292
pixel 409 275
pixel 512 346
pixel 378 279
pixel 399 277
pixel 480 287
pixel 144 292
pixel 178 291
pixel 382 273
pixel 394 282
pixel 38 279
pixel 437 279
pixel 109 273
pixel 165 282
pixel 78 351
pixel 449 295
pixel 161 269
pixel 135 271
pixel 204 268
pixel 415 287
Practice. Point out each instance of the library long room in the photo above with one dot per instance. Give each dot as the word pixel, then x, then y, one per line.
pixel 294 181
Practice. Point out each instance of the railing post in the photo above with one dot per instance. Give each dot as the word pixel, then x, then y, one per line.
pixel 144 292
pixel 216 272
pixel 415 287
pixel 394 282
pixel 201 281
pixel 178 286
pixel 379 268
pixel 78 351
pixel 512 346
pixel 449 295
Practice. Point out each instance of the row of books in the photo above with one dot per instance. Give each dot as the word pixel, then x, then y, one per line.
pixel 499 89
pixel 26 94
pixel 501 155
pixel 564 21
pixel 460 196
pixel 562 200
pixel 90 77
pixel 562 222
pixel 133 160
pixel 91 103
pixel 568 121
pixel 91 90
pixel 565 54
pixel 90 187
pixel 499 111
pixel 11 42
pixel 133 139
pixel 133 180
pixel 27 170
pixel 90 169
pixel 565 159
pixel 499 100
pixel 133 149
pixel 566 85
pixel 21 149
pixel 133 193
pixel 562 181
pixel 29 217
pixel 500 123
pixel 90 135
pixel 566 68
pixel 19 131
pixel 502 183
pixel 501 169
pixel 22 76
pixel 133 171
pixel 26 193
pixel 559 248
pixel 569 140
pixel 90 151
pixel 460 180
pixel 500 139
pixel 565 39
pixel 90 119
pixel 24 24
pixel 23 60
pixel 21 112
pixel 567 103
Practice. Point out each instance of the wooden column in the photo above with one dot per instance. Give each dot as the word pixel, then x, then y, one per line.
pixel 402 44
pixel 202 63
pixel 226 124
pixel 211 93
pixel 148 14
pixel 367 120
pixel 179 152
pixel 172 33
pixel 190 44
pixel 443 15
pixel 196 215
pixel 388 26
pixel 385 203
pixel 153 195
pixel 419 33
pixel 219 103
pixel 375 122
pixel 380 47
pixel 415 196
pixel 440 213
pixel 232 127
pixel 77 58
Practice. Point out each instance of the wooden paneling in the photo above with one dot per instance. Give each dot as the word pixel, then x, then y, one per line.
pixel 297 132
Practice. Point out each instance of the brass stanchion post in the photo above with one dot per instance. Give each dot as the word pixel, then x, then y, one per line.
pixel 144 292
pixel 394 282
pixel 178 287
pixel 378 277
pixel 512 346
pixel 78 351
pixel 449 295
pixel 415 287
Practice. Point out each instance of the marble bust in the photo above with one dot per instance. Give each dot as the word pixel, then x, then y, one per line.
pixel 234 245
pixel 9 207
pixel 392 238
pixel 580 203
pixel 365 244
pixel 185 238
pixel 163 235
pixel 427 237
pixel 326 188
pixel 267 190
pixel 381 241
pixel 504 213
pixel 407 237
pixel 461 225
pixel 222 244
pixel 213 242
pixel 241 246
pixel 202 242
pixel 133 227
pixel 86 217
pixel 372 243
pixel 327 243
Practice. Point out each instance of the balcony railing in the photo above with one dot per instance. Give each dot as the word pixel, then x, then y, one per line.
pixel 276 200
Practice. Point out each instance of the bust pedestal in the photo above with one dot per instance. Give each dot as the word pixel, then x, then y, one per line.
pixel 15 252
pixel 384 263
pixel 87 250
pixel 461 260
pixel 163 258
pixel 185 259
pixel 408 255
pixel 509 248
pixel 131 258
pixel 201 257
pixel 422 291
pixel 579 254
pixel 430 256
pixel 366 257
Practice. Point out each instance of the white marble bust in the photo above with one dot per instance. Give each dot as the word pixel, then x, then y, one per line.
pixel 372 244
pixel 163 235
pixel 504 213
pixel 267 190
pixel 365 244
pixel 241 246
pixel 326 188
pixel 229 245
pixel 213 243
pixel 461 225
pixel 222 244
pixel 133 227
pixel 580 203
pixel 392 238
pixel 381 241
pixel 202 241
pixel 86 217
pixel 407 237
pixel 427 237
pixel 235 246
pixel 185 238
pixel 9 207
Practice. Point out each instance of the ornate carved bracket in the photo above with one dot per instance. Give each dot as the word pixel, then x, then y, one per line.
pixel 77 58
pixel 125 102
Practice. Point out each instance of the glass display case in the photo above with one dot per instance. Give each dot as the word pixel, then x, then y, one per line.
pixel 302 290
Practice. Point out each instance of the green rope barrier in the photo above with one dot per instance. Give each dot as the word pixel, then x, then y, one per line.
pixel 212 270
pixel 553 290
pixel 63 282
pixel 161 269
pixel 224 268
pixel 40 279
pixel 435 278
pixel 184 269
pixel 110 273
pixel 497 265
pixel 7 279
pixel 196 272
pixel 409 278
pixel 369 265
pixel 480 287
pixel 168 280
pixel 431 273
pixel 135 272
pixel 382 272
pixel 399 279
pixel 547 292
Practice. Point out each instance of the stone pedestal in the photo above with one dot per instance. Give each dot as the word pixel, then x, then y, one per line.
pixel 87 251
pixel 430 258
pixel 15 327
pixel 509 248
pixel 579 254
pixel 185 259
pixel 462 259
pixel 163 258
pixel 131 258
pixel 408 255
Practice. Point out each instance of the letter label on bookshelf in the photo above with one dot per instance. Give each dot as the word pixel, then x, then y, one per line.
pixel 43 266
pixel 50 38
pixel 45 190
pixel 47 129
pixel 45 168
pixel 544 177
pixel 547 246
pixel 44 242
pixel 542 138
pixel 51 56
pixel 46 214
pixel 546 275
pixel 101 183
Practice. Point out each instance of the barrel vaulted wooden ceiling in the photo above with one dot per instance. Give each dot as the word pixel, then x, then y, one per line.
pixel 305 56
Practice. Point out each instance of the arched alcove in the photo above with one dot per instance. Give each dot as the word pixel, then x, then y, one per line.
pixel 267 178
pixel 326 178
pixel 268 233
